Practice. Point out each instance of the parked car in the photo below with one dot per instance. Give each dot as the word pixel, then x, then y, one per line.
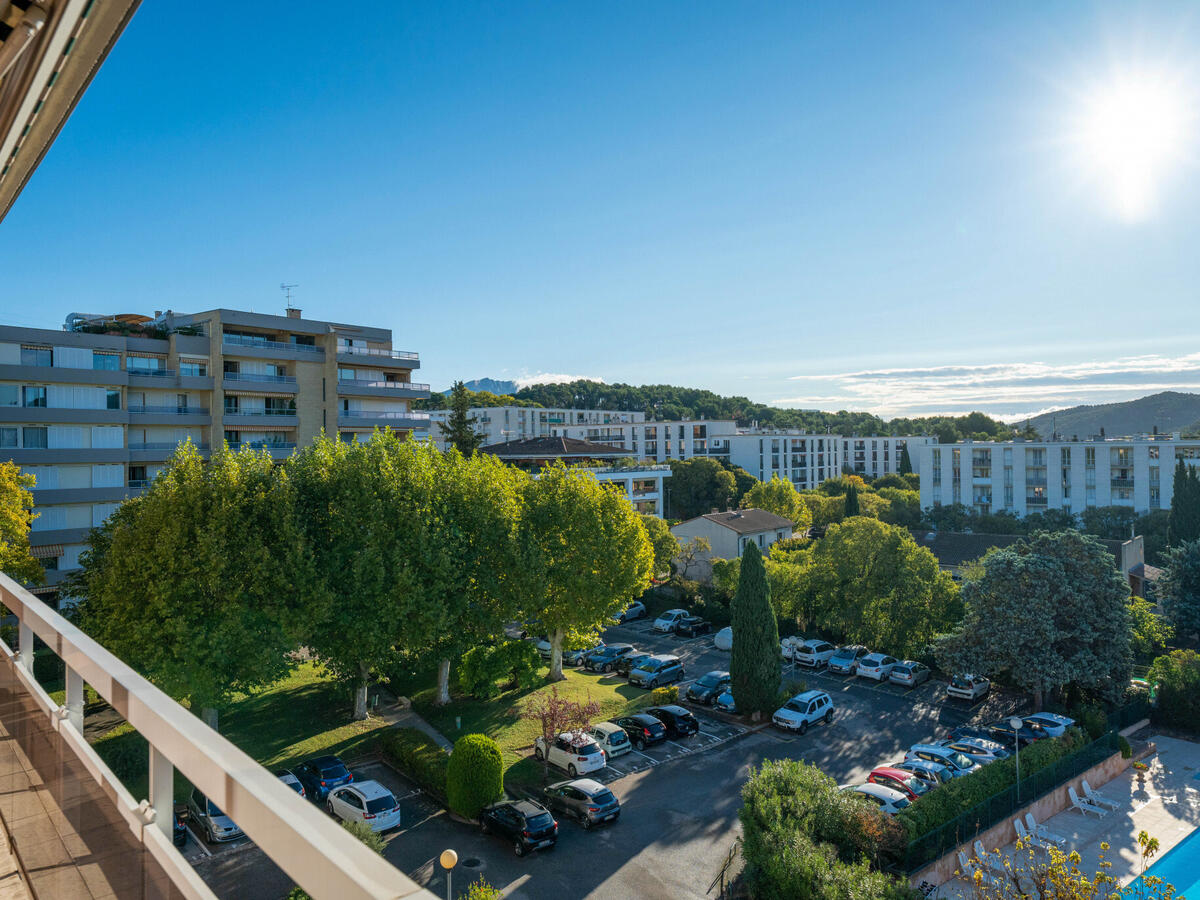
pixel 723 639
pixel 635 610
pixel 679 721
pixel 365 801
pixel 642 729
pixel 804 710
pixel 909 673
pixel 813 653
pixel 605 660
pixel 321 775
pixel 657 671
pixel 889 800
pixel 612 739
pixel 844 660
pixel 725 701
pixel 179 834
pixel 968 687
pixel 291 781
pixel 788 645
pixel 587 801
pixel 631 661
pixel 876 666
pixel 577 657
pixel 575 754
pixel 708 687
pixel 1002 733
pixel 982 750
pixel 208 817
pixel 900 780
pixel 932 773
pixel 958 763
pixel 527 824
pixel 669 621
pixel 544 648
pixel 1052 723
pixel 693 626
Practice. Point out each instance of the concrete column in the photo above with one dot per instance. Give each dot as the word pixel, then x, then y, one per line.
pixel 74 702
pixel 162 791
pixel 25 655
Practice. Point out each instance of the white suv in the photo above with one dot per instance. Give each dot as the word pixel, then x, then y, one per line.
pixel 814 653
pixel 669 621
pixel 804 710
pixel 575 754
pixel 364 801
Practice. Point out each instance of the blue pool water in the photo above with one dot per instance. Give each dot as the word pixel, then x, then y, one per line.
pixel 1181 867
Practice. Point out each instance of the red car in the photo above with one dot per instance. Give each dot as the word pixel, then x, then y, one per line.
pixel 906 782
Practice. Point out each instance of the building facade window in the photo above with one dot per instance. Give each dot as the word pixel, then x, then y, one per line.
pixel 112 399
pixel 8 437
pixel 106 362
pixel 34 437
pixel 37 356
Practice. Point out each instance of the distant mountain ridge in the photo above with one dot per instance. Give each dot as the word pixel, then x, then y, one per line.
pixel 491 385
pixel 1167 411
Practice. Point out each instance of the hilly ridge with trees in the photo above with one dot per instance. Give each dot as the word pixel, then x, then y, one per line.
pixel 1167 411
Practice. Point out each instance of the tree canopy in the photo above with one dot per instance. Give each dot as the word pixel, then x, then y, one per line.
pixel 1179 587
pixel 1185 503
pixel 698 486
pixel 779 497
pixel 16 505
pixel 459 428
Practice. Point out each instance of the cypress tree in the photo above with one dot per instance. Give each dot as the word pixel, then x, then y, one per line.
pixel 754 664
pixel 852 508
pixel 905 461
pixel 1184 519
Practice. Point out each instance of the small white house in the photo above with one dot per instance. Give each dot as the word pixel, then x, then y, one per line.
pixel 728 533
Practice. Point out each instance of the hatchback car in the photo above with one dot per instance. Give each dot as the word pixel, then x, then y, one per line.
pixel 708 687
pixel 982 750
pixel 612 739
pixel 207 815
pixel 958 763
pixel 635 610
pixel 968 687
pixel 368 802
pixel 606 660
pixel 528 825
pixel 804 710
pixel 575 754
pixel 898 779
pixel 813 653
pixel 1052 723
pixel 321 775
pixel 693 626
pixel 544 648
pixel 876 666
pixel 657 671
pixel 909 673
pixel 642 729
pixel 788 645
pixel 723 639
pixel 587 801
pixel 669 621
pixel 933 774
pixel 577 657
pixel 844 660
pixel 725 702
pixel 291 781
pixel 889 800
pixel 679 721
pixel 1002 733
pixel 631 661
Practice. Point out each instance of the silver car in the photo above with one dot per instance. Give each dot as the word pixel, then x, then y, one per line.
pixel 216 825
pixel 584 799
pixel 909 673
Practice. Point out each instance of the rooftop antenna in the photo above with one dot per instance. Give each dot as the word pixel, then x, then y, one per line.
pixel 287 293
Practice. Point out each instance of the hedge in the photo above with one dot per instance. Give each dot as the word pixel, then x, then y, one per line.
pixel 661 696
pixel 475 776
pixel 418 756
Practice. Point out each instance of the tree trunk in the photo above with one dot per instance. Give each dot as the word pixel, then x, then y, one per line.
pixel 556 642
pixel 360 692
pixel 443 684
pixel 209 715
pixel 1037 699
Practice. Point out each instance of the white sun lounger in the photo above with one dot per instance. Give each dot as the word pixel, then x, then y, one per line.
pixel 969 867
pixel 1033 840
pixel 994 862
pixel 1041 831
pixel 1096 798
pixel 1082 805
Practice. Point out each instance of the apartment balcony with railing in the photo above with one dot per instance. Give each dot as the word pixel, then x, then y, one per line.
pixel 259 378
pixel 168 410
pixel 264 343
pixel 367 418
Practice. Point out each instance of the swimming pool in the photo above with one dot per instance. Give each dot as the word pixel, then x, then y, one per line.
pixel 1180 867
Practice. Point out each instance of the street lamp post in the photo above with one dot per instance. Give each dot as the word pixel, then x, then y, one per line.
pixel 448 859
pixel 1015 723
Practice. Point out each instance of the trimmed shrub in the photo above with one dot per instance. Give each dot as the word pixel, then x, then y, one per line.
pixel 661 696
pixel 1126 750
pixel 363 832
pixel 416 755
pixel 475 776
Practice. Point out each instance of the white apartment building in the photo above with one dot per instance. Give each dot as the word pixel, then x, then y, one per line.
pixel 876 456
pixel 808 459
pixel 1032 476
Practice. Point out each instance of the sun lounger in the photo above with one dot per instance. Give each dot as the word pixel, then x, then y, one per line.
pixel 1042 831
pixel 968 867
pixel 1082 805
pixel 1096 798
pixel 994 862
pixel 1031 840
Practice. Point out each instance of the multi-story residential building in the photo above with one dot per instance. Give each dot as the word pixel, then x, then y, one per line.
pixel 875 456
pixel 1032 476
pixel 94 411
pixel 808 459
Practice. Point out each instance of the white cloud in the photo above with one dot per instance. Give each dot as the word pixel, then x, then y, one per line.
pixel 524 381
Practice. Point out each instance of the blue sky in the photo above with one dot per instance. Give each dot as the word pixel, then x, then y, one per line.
pixel 880 207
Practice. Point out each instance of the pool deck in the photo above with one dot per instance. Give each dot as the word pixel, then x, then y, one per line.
pixel 1166 806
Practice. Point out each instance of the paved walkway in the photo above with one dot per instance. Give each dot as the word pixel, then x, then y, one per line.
pixel 395 714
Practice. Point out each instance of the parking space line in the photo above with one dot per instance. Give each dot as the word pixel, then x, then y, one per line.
pixel 706 734
pixel 643 755
pixel 680 746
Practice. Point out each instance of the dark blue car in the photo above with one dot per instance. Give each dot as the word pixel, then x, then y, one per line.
pixel 321 775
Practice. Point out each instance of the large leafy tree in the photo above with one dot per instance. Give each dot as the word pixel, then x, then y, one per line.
pixel 1149 633
pixel 459 428
pixel 663 542
pixel 1048 611
pixel 204 583
pixel 697 486
pixel 586 552
pixel 779 497
pixel 1113 523
pixel 16 505
pixel 754 664
pixel 1179 587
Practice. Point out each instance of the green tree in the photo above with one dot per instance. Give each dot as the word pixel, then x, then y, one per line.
pixel 1176 680
pixel 1048 611
pixel 587 553
pixel 1112 523
pixel 459 428
pixel 743 481
pixel 203 584
pixel 663 542
pixel 1149 633
pixel 823 509
pixel 1179 587
pixel 904 507
pixel 698 486
pixel 754 663
pixel 475 775
pixel 905 466
pixel 852 506
pixel 1154 526
pixel 16 505
pixel 779 497
pixel 1185 504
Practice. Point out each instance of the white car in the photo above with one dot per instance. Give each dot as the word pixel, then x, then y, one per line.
pixel 804 710
pixel 981 750
pixel 635 610
pixel 968 687
pixel 889 800
pixel 364 801
pixel 877 666
pixel 813 653
pixel 669 621
pixel 543 646
pixel 959 764
pixel 574 754
pixel 1052 723
pixel 291 781
pixel 723 639
pixel 788 645
pixel 612 739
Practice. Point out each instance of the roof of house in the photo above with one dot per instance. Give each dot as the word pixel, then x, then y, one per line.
pixel 546 447
pixel 1146 573
pixel 746 521
pixel 956 548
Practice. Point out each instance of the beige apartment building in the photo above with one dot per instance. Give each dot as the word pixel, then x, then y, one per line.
pixel 95 410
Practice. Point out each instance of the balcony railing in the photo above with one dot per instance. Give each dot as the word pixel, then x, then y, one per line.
pixel 381 414
pixel 1035 501
pixel 1122 482
pixel 151 373
pixel 375 351
pixel 263 445
pixel 164 445
pixel 239 340
pixel 377 383
pixel 139 484
pixel 260 412
pixel 169 410
pixel 255 376
pixel 1036 482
